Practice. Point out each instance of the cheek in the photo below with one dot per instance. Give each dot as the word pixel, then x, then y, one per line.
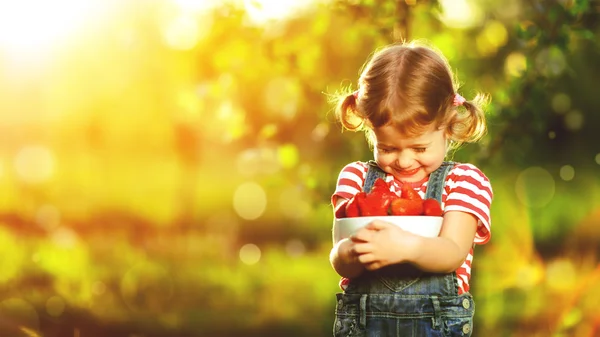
pixel 432 159
pixel 384 159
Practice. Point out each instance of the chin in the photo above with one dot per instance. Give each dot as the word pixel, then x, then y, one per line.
pixel 412 178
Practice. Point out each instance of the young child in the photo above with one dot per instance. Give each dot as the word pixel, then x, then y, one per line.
pixel 396 283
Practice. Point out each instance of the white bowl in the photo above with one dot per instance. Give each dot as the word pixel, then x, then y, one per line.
pixel 428 226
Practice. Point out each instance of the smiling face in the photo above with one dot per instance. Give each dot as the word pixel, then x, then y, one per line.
pixel 409 159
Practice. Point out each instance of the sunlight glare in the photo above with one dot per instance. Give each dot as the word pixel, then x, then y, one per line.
pixel 263 11
pixel 460 13
pixel 196 5
pixel 31 25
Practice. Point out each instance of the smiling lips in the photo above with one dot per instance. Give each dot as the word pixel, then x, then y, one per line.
pixel 408 173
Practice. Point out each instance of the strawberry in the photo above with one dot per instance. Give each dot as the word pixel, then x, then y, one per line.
pixel 407 192
pixel 432 207
pixel 374 204
pixel 402 206
pixel 380 186
pixel 352 208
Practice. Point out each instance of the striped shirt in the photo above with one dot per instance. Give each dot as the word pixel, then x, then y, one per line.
pixel 466 189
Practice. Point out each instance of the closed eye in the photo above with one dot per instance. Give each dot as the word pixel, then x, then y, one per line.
pixel 385 150
pixel 420 149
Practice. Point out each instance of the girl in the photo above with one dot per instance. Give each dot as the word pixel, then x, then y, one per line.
pixel 396 283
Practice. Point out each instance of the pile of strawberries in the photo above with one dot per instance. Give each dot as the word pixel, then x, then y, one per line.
pixel 381 202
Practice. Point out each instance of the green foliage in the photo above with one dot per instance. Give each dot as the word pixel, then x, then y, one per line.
pixel 123 211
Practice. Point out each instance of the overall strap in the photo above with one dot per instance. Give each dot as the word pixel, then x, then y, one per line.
pixel 437 178
pixel 373 173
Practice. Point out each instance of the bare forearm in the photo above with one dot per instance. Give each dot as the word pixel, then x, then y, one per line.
pixel 439 255
pixel 342 262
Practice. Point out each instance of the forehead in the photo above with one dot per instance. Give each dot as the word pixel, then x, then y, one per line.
pixel 389 135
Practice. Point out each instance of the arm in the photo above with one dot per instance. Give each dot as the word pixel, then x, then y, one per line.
pixel 381 244
pixel 448 251
pixel 342 257
pixel 344 261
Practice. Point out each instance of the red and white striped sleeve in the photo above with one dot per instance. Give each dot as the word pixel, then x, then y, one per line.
pixel 469 190
pixel 350 180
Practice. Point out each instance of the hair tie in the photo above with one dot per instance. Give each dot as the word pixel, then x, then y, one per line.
pixel 458 100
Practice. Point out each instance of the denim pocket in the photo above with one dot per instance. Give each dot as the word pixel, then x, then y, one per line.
pixel 399 277
pixel 398 284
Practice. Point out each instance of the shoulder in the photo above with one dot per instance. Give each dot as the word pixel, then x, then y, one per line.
pixel 467 170
pixel 350 180
pixel 468 175
pixel 357 168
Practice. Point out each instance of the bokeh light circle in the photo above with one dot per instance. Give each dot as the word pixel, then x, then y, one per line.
pixel 18 313
pixel 181 33
pixel 567 173
pixel 561 275
pixel 574 120
pixel 551 61
pixel 535 187
pixel 561 103
pixel 147 286
pixel 295 248
pixel 98 288
pixel 515 64
pixel 48 216
pixel 293 204
pixel 250 254
pixel 34 164
pixel 55 306
pixel 250 201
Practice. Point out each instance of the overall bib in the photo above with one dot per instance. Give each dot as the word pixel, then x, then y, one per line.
pixel 400 300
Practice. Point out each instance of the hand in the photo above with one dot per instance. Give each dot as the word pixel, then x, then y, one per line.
pixel 380 244
pixel 347 252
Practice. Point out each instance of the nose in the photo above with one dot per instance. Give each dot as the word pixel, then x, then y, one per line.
pixel 404 160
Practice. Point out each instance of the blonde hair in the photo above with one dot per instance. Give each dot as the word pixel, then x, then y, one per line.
pixel 411 86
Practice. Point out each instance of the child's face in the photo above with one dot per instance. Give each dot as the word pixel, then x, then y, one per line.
pixel 409 159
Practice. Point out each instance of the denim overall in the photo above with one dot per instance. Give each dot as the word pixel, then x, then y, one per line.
pixel 400 300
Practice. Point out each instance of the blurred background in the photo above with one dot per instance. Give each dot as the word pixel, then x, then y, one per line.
pixel 166 166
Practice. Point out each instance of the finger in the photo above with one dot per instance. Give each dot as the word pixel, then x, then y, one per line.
pixel 366 258
pixel 362 235
pixel 363 248
pixel 377 225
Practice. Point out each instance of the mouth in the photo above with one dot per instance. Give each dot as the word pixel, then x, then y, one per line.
pixel 408 173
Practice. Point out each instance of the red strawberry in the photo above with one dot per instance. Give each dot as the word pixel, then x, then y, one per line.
pixel 409 193
pixel 381 196
pixel 352 208
pixel 432 207
pixel 401 206
pixel 380 186
pixel 374 204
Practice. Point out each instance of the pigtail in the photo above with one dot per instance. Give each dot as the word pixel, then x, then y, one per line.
pixel 347 114
pixel 468 123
